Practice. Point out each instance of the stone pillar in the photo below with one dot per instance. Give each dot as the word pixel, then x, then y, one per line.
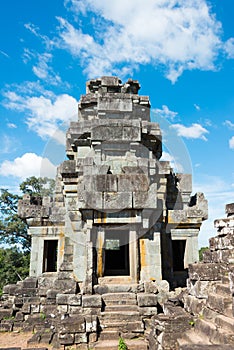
pixel 100 252
pixel 133 256
pixel 150 252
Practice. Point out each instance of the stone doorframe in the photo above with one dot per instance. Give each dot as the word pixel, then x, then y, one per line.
pixel 133 258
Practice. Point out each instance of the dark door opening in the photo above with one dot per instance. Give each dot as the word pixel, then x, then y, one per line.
pixel 50 255
pixel 116 253
pixel 178 248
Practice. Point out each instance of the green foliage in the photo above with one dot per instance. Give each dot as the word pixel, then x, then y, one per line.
pixel 42 315
pixel 122 344
pixel 13 230
pixel 201 251
pixel 38 186
pixel 14 265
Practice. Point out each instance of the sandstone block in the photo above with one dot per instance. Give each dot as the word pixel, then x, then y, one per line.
pixel 229 209
pixel 206 272
pixel 74 300
pixel 91 301
pixel 67 286
pixel 91 323
pixel 30 282
pixel 81 338
pixel 72 324
pixel 200 289
pixel 66 339
pixel 151 287
pixel 147 299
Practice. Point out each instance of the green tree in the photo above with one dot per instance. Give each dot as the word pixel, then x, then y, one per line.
pixel 38 186
pixel 201 251
pixel 14 265
pixel 13 230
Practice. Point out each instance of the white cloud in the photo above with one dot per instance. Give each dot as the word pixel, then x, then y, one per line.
pixel 229 48
pixel 11 125
pixel 45 113
pixel 35 31
pixel 8 144
pixel 165 112
pixel 28 165
pixel 231 142
pixel 42 67
pixel 198 108
pixel 177 35
pixel 4 54
pixel 195 131
pixel 229 124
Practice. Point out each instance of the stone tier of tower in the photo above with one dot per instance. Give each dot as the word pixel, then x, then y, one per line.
pixel 120 213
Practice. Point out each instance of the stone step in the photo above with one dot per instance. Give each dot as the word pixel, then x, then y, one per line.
pixel 115 286
pixel 205 329
pixel 194 305
pixel 223 289
pixel 213 333
pixel 119 298
pixel 209 314
pixel 109 335
pixel 206 347
pixel 192 337
pixel 119 316
pixel 222 337
pixel 117 308
pixel 136 344
pixel 134 327
pixel 220 304
pixel 225 323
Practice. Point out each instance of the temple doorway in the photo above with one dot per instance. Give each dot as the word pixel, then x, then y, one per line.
pixel 116 253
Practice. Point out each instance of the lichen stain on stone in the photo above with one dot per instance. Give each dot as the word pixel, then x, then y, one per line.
pixel 142 253
pixel 62 242
pixel 100 257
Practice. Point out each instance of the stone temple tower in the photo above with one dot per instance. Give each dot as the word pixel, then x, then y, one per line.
pixel 119 215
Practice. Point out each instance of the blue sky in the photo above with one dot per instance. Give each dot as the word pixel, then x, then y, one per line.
pixel 181 51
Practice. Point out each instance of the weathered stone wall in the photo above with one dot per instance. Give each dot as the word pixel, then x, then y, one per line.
pixel 209 295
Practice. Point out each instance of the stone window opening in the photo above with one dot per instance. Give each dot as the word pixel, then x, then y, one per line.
pixel 50 255
pixel 109 172
pixel 178 248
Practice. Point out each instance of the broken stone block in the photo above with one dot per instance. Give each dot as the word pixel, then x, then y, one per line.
pixel 91 323
pixel 163 286
pixel 66 339
pixel 229 209
pixel 72 324
pixel 151 287
pixel 67 286
pixel 147 299
pixel 81 338
pixel 200 289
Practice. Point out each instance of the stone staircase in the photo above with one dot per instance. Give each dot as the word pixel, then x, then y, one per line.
pixel 121 318
pixel 215 324
pixel 209 296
